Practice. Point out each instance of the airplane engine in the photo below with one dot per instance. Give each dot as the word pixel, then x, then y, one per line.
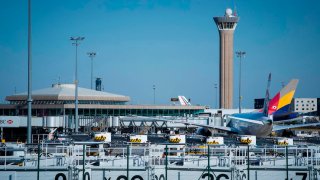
pixel 203 131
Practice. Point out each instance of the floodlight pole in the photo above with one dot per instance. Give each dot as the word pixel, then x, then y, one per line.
pixel 128 152
pixel 216 88
pixel 29 100
pixel 166 171
pixel 76 42
pixel 154 94
pixel 208 162
pixel 91 55
pixel 240 54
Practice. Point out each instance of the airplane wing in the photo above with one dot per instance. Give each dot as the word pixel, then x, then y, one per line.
pixel 143 118
pixel 222 128
pixel 288 120
pixel 283 127
pixel 299 118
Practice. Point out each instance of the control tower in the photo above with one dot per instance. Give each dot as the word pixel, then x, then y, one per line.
pixel 226 26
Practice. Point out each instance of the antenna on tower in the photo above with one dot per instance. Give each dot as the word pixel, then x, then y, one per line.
pixel 235 13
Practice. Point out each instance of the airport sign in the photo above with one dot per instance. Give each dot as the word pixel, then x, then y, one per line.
pixel 247 139
pixel 285 142
pixel 215 141
pixel 103 137
pixel 138 139
pixel 177 139
pixel 9 121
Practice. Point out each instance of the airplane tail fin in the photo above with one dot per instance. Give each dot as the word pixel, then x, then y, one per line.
pixel 183 101
pixel 282 100
pixel 266 99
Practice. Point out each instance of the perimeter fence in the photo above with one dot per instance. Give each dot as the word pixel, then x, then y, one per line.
pixel 157 162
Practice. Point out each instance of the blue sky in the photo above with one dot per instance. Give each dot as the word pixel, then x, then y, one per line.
pixel 172 44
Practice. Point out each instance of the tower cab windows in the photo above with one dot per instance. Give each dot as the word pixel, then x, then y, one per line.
pixel 226 25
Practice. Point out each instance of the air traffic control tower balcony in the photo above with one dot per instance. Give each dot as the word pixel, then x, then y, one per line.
pixel 227 22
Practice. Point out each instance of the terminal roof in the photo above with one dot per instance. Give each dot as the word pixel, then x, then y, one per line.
pixel 67 92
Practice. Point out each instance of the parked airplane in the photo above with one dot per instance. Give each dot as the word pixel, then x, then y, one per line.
pixel 260 123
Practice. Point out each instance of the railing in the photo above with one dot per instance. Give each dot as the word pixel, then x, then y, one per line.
pixel 239 160
pixel 259 156
pixel 37 138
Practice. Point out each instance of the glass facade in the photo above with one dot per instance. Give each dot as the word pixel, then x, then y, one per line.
pixel 100 111
pixel 93 108
pixel 69 102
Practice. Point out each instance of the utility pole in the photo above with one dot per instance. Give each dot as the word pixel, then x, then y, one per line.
pixel 29 100
pixel 92 55
pixel 240 54
pixel 76 42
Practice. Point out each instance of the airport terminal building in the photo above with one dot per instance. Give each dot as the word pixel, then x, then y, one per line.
pixel 55 107
pixel 59 100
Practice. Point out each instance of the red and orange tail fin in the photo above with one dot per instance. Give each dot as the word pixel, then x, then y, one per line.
pixel 282 100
